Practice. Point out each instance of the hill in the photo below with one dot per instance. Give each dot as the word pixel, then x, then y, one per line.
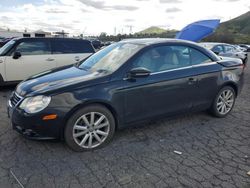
pixel 240 25
pixel 236 30
pixel 153 30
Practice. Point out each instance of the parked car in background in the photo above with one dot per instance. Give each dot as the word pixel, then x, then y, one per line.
pixel 245 46
pixel 239 48
pixel 1 39
pixel 4 41
pixel 96 43
pixel 226 50
pixel 127 82
pixel 23 57
pixel 107 43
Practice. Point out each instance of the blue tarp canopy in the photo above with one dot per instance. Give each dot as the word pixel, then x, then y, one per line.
pixel 198 30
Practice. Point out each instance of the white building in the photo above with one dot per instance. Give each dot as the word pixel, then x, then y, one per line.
pixel 12 33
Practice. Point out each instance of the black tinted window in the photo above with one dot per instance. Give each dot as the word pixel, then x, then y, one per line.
pixel 164 58
pixel 71 47
pixel 33 48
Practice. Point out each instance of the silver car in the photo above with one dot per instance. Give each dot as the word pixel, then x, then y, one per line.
pixel 226 50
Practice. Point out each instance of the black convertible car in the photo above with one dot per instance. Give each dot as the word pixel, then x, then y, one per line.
pixel 126 82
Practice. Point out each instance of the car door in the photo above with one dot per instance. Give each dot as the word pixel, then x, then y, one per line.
pixel 168 89
pixel 70 51
pixel 207 72
pixel 35 57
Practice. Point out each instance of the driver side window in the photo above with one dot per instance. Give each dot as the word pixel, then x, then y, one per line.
pixel 162 58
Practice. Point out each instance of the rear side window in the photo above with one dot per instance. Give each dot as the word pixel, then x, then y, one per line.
pixel 71 47
pixel 198 57
pixel 33 48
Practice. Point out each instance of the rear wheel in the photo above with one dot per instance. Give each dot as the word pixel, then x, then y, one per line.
pixel 89 128
pixel 224 102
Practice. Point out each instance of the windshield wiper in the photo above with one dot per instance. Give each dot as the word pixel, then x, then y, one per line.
pixel 102 70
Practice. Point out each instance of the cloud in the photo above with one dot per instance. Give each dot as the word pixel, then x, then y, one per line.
pixel 129 20
pixel 121 7
pixel 102 5
pixel 172 10
pixel 94 4
pixel 91 17
pixel 170 1
pixel 55 11
pixel 6 18
pixel 230 1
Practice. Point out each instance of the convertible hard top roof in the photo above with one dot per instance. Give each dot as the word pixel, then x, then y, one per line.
pixel 155 41
pixel 149 41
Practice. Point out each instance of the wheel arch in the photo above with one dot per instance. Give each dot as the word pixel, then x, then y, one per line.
pixel 85 104
pixel 233 85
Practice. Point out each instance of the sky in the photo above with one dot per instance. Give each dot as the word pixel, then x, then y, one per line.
pixel 91 17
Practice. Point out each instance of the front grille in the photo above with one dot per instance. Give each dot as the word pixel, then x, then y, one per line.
pixel 15 99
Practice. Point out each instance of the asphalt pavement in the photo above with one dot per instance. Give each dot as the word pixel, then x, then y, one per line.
pixel 194 150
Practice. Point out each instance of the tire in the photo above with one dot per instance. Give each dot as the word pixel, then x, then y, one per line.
pixel 1 80
pixel 218 103
pixel 245 61
pixel 92 124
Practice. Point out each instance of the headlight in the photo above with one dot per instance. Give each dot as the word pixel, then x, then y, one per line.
pixel 35 104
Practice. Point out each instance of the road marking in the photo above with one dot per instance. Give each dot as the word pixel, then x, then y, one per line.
pixel 12 173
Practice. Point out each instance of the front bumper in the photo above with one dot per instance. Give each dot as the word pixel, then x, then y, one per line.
pixel 33 127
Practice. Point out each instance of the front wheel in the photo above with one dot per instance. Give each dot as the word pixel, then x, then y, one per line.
pixel 89 128
pixel 224 102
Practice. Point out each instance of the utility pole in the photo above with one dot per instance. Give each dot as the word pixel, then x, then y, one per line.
pixel 130 28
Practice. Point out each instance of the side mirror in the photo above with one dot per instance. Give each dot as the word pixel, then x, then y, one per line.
pixel 16 55
pixel 138 72
pixel 216 52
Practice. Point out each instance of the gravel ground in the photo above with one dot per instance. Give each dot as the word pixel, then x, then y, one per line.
pixel 215 153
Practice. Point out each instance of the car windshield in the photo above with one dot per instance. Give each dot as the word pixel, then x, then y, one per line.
pixel 110 58
pixel 6 47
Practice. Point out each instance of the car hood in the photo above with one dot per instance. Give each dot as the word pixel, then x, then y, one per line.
pixel 59 78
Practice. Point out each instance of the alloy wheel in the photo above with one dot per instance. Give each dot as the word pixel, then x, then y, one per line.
pixel 91 129
pixel 225 101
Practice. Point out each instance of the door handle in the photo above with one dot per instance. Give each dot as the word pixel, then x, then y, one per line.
pixel 50 59
pixel 192 80
pixel 77 58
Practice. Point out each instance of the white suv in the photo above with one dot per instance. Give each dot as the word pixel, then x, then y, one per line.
pixel 22 57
